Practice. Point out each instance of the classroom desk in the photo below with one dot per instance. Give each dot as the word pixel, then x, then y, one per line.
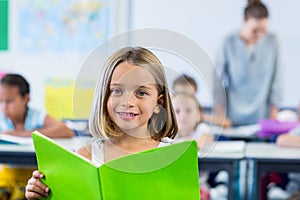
pixel 268 157
pixel 223 155
pixel 24 154
pixel 17 154
pixel 245 133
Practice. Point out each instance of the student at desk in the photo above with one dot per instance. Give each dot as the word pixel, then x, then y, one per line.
pixel 189 117
pixel 249 66
pixel 194 124
pixel 17 119
pixel 186 84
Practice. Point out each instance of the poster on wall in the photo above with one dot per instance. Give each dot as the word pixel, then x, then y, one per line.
pixel 3 25
pixel 61 25
pixel 60 94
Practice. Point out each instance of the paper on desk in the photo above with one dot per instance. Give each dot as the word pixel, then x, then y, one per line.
pixel 229 147
pixel 16 139
pixel 248 130
pixel 224 149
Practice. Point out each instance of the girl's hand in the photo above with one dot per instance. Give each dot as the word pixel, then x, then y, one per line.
pixel 35 189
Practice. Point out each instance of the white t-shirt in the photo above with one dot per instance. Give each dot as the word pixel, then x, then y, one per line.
pixel 98 149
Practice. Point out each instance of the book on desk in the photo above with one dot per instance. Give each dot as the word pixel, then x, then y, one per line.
pixel 10 139
pixel 230 149
pixel 169 172
pixel 240 131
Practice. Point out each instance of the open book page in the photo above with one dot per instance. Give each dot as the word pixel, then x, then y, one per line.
pixel 15 139
pixel 68 174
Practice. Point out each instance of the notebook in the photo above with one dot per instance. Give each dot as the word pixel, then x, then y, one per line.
pixel 169 172
pixel 11 139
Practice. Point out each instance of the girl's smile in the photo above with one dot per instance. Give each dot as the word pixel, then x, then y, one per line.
pixel 127 116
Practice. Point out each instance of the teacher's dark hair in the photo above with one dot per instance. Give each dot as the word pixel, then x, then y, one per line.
pixel 255 9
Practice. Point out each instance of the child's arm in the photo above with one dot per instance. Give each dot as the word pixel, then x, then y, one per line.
pixel 35 189
pixel 52 128
pixel 218 120
pixel 55 129
pixel 288 140
pixel 273 112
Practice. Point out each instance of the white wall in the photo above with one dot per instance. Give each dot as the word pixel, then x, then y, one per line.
pixel 38 67
pixel 208 22
pixel 204 22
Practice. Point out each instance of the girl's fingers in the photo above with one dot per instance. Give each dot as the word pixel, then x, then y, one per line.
pixel 35 188
pixel 37 185
pixel 37 174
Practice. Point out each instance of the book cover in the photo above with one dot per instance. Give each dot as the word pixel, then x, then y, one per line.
pixel 169 172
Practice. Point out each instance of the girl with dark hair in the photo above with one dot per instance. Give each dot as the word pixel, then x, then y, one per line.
pixel 17 119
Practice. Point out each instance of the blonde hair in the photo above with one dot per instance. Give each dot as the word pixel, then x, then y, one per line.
pixel 162 124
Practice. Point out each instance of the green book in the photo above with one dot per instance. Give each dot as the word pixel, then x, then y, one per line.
pixel 166 173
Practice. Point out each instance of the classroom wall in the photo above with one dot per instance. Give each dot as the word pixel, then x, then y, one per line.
pixel 208 22
pixel 40 65
pixel 201 21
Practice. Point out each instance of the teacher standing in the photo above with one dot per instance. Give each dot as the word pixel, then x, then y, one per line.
pixel 249 66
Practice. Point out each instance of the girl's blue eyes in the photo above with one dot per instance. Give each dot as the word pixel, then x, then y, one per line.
pixel 141 93
pixel 118 91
